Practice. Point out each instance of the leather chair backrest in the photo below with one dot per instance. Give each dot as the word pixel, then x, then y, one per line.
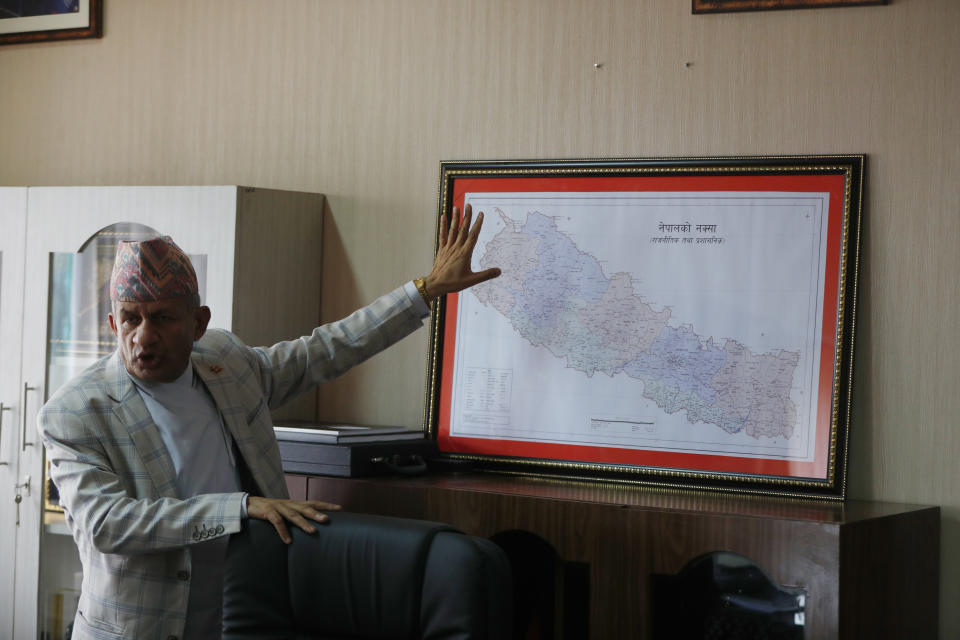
pixel 365 576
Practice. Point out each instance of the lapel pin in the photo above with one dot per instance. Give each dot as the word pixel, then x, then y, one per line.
pixel 216 368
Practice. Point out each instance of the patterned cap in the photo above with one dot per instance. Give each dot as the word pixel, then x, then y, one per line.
pixel 151 270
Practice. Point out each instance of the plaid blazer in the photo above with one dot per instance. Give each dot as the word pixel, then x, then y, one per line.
pixel 116 478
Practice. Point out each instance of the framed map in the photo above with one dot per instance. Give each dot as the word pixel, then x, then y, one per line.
pixel 674 322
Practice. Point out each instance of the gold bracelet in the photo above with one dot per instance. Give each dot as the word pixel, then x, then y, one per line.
pixel 421 285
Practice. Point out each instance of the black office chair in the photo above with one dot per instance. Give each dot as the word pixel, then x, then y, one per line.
pixel 364 577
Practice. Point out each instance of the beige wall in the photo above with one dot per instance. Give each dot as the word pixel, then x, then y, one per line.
pixel 361 100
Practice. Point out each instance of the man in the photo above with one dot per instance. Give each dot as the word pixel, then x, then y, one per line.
pixel 162 448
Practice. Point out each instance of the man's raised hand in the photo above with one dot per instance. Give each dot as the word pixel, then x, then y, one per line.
pixel 451 268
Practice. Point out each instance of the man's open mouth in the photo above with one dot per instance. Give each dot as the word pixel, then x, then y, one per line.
pixel 147 359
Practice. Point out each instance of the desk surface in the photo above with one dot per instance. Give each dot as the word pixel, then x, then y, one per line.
pixel 643 497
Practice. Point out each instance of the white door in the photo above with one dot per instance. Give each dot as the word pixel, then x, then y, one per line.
pixel 65 312
pixel 13 219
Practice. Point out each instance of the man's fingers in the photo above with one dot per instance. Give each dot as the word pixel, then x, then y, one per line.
pixel 452 270
pixel 475 231
pixel 444 228
pixel 301 522
pixel 465 224
pixel 276 519
pixel 278 512
pixel 474 235
pixel 314 514
pixel 299 512
pixel 458 231
pixel 325 506
pixel 454 225
pixel 482 276
pixel 292 515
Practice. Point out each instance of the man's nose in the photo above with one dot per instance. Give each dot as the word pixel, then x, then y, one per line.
pixel 146 334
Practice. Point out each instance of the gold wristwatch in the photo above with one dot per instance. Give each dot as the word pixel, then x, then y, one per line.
pixel 421 285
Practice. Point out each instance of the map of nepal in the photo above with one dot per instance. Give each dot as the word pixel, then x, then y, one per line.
pixel 557 296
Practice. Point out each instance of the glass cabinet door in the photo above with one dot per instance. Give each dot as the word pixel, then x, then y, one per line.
pixel 77 336
pixel 72 233
pixel 13 216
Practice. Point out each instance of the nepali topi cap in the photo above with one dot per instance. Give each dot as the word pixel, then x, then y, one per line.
pixel 151 270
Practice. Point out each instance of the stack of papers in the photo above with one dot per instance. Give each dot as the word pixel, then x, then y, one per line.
pixel 342 433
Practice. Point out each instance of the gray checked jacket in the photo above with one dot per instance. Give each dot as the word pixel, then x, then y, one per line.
pixel 116 478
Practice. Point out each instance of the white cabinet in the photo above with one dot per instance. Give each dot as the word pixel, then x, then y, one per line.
pixel 257 256
pixel 13 220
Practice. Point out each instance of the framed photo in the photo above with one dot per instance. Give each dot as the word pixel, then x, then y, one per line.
pixel 724 6
pixel 683 322
pixel 44 20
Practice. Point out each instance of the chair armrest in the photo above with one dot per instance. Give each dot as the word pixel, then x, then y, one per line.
pixel 467 591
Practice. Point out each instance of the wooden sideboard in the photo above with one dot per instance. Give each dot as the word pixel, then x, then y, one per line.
pixel 870 570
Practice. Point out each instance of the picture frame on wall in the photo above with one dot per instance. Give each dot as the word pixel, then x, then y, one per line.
pixel 24 21
pixel 726 6
pixel 680 322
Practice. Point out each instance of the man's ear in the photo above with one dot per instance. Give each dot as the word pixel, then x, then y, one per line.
pixel 202 318
pixel 113 323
